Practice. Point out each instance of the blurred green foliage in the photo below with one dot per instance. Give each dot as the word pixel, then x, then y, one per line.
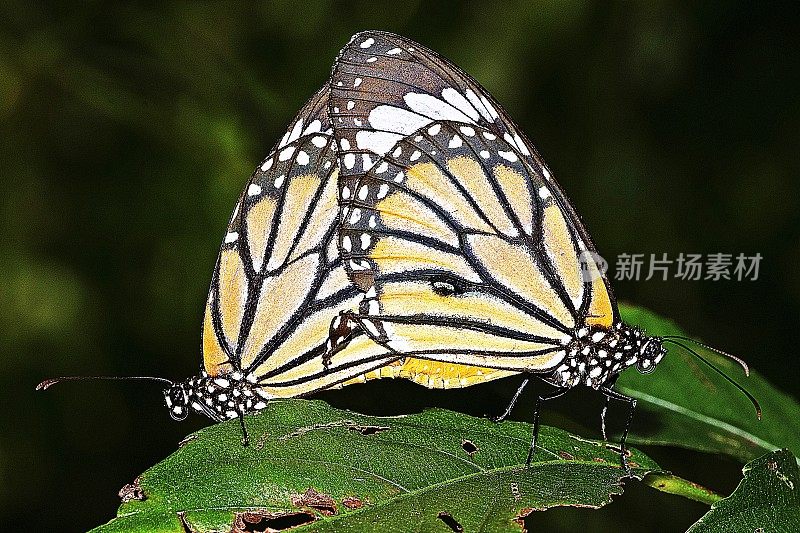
pixel 128 131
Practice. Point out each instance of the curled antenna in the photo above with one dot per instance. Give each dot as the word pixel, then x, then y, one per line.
pixel 46 384
pixel 715 350
pixel 720 372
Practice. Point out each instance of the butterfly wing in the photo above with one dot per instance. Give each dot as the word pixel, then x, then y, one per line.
pixel 452 225
pixel 279 280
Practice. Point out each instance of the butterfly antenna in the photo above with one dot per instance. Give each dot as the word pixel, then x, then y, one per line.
pixel 46 384
pixel 715 350
pixel 721 373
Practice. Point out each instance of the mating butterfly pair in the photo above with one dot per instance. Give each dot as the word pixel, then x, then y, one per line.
pixel 404 227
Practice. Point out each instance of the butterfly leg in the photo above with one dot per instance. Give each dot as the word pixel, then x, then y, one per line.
pixel 603 418
pixel 611 394
pixel 609 384
pixel 245 437
pixel 536 412
pixel 513 401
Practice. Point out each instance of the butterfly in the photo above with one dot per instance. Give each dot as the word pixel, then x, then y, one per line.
pixel 465 247
pixel 277 285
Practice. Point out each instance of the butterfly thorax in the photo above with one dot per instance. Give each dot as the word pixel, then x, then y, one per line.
pixel 218 397
pixel 595 355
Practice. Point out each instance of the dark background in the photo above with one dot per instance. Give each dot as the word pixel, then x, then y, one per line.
pixel 128 132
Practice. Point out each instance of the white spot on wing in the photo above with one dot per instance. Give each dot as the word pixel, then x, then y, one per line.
pixel 477 104
pixel 378 142
pixel 521 144
pixel 393 51
pixel 349 160
pixel 302 158
pixel 457 100
pixel 319 141
pixel 544 194
pixel 397 120
pixel 253 190
pixel 455 142
pixel 231 237
pixel 434 108
pixel 489 107
pixel 295 133
pixel 286 153
pixel 367 43
pixel 314 127
pixel 510 156
pixel 367 161
pixel 267 164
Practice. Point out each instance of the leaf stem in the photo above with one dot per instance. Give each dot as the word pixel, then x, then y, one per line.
pixel 672 484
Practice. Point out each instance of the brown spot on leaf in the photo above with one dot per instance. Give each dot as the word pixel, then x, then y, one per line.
pixel 315 500
pixel 451 522
pixel 266 522
pixel 353 502
pixel 469 447
pixel 599 460
pixel 131 492
pixel 566 456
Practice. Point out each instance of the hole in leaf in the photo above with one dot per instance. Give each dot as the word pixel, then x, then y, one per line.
pixel 131 492
pixel 451 522
pixel 368 430
pixel 252 522
pixel 353 502
pixel 469 446
pixel 522 516
pixel 315 500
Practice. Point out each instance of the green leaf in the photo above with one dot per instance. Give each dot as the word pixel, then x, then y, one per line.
pixel 342 471
pixel 692 407
pixel 766 500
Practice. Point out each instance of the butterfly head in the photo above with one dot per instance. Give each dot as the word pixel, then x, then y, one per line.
pixel 650 354
pixel 177 400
